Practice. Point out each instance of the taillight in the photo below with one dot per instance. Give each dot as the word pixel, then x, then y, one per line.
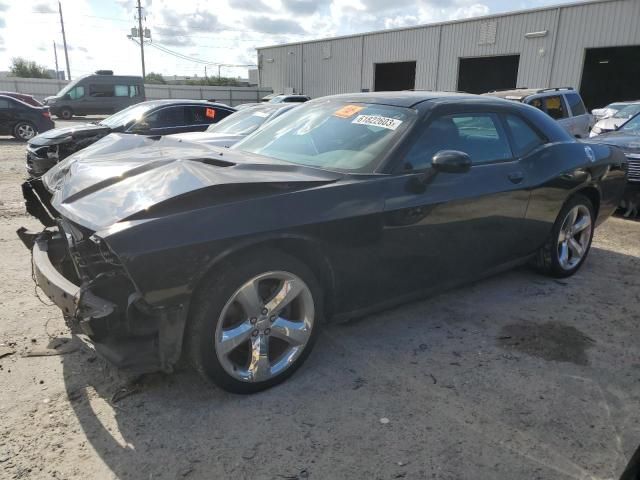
pixel 46 114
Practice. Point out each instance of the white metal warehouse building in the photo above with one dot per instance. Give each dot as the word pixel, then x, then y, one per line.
pixel 591 46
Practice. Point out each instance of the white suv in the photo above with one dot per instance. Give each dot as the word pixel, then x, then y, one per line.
pixel 562 104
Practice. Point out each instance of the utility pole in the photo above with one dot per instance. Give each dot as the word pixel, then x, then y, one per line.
pixel 55 55
pixel 141 35
pixel 64 41
pixel 219 72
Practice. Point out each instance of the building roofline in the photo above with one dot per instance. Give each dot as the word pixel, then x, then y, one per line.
pixel 444 23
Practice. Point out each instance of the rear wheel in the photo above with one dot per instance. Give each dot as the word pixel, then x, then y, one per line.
pixel 65 113
pixel 254 323
pixel 568 244
pixel 24 131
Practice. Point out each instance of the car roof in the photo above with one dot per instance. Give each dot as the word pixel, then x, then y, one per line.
pixel 16 99
pixel 185 101
pixel 521 93
pixel 405 98
pixel 266 106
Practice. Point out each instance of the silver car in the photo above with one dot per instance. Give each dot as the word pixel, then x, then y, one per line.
pixel 238 125
pixel 611 123
pixel 562 104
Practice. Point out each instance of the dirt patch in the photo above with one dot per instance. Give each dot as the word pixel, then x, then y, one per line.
pixel 550 341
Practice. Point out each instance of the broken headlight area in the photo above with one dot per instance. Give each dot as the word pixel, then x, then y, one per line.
pixel 80 273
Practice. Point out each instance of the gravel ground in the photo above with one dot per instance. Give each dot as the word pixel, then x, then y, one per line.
pixel 518 376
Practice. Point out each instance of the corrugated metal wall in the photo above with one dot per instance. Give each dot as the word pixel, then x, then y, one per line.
pixel 605 24
pixel 555 59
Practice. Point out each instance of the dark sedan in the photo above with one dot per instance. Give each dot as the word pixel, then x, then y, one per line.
pixel 343 206
pixel 21 120
pixel 157 117
pixel 626 137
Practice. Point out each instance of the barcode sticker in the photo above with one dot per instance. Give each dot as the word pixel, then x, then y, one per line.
pixel 377 121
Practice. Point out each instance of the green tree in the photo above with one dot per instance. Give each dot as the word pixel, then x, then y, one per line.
pixel 154 78
pixel 214 81
pixel 21 67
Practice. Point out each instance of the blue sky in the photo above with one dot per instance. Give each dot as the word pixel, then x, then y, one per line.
pixel 216 31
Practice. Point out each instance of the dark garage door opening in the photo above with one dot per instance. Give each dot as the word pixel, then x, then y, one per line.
pixel 610 74
pixel 484 74
pixel 395 76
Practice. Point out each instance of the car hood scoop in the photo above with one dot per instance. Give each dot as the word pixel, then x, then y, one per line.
pixel 168 176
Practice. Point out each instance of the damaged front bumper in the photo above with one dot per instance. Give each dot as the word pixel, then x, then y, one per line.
pixel 129 334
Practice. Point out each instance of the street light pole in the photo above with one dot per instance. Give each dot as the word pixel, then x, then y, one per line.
pixel 141 35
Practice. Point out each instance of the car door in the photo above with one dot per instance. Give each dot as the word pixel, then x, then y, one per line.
pixel 581 120
pixel 162 121
pixel 556 107
pixel 454 226
pixel 6 116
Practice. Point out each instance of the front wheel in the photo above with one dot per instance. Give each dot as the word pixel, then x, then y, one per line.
pixel 24 131
pixel 254 323
pixel 569 243
pixel 65 113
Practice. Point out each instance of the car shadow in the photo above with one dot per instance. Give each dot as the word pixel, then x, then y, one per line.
pixel 434 387
pixel 11 140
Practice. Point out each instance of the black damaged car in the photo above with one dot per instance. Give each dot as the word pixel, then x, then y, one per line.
pixel 346 205
pixel 156 117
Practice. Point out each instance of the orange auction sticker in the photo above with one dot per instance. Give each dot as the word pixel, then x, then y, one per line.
pixel 348 111
pixel 211 113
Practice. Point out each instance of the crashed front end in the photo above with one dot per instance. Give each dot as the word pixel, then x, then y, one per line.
pixel 78 272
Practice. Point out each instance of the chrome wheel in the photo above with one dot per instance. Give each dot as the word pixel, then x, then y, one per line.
pixel 265 326
pixel 574 237
pixel 25 131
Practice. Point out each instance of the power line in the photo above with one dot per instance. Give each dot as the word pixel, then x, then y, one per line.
pixel 181 56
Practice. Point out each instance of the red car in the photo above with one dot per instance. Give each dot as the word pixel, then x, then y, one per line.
pixel 28 99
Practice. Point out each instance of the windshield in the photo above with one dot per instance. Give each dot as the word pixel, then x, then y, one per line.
pixel 126 116
pixel 331 134
pixel 241 123
pixel 628 111
pixel 632 126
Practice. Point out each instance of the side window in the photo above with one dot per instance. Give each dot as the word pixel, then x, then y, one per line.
pixel 576 104
pixel 121 90
pixel 480 135
pixel 101 91
pixel 524 138
pixel 4 103
pixel 555 107
pixel 134 91
pixel 204 115
pixel 76 92
pixel 166 117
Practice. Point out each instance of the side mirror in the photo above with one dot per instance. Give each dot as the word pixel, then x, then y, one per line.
pixel 451 161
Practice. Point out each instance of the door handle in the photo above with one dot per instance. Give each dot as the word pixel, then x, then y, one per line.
pixel 516 177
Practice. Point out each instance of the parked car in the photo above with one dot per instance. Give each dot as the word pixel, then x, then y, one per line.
pixel 289 99
pixel 238 125
pixel 609 110
pixel 23 97
pixel 345 205
pixel 562 104
pixel 22 120
pixel 156 117
pixel 611 123
pixel 627 138
pixel 98 94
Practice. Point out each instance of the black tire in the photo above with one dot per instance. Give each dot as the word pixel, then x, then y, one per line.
pixel 65 113
pixel 212 296
pixel 21 127
pixel 547 260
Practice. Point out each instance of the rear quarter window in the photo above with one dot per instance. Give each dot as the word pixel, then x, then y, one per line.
pixel 523 137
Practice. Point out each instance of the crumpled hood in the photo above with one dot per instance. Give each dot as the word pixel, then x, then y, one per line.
pixel 610 123
pixel 628 143
pixel 210 138
pixel 59 135
pixel 122 176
